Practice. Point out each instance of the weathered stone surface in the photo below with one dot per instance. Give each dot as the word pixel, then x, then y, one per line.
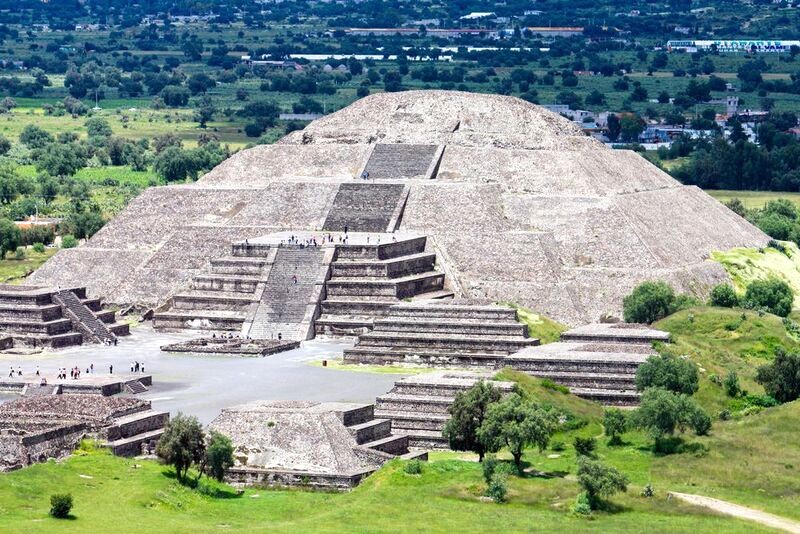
pixel 523 207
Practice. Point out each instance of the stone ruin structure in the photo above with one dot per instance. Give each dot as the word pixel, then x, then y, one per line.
pixel 516 204
pixel 33 429
pixel 317 445
pixel 41 317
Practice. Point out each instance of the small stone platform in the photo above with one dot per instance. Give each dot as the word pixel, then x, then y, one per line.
pixel 233 346
pixel 33 429
pixel 103 385
pixel 310 444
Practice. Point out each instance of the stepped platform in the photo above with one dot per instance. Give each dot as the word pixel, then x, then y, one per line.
pixel 103 385
pixel 39 317
pixel 596 371
pixel 622 333
pixel 418 406
pixel 232 346
pixel 454 334
pixel 316 445
pixel 402 161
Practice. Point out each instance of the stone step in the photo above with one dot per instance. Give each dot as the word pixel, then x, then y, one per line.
pixel 136 424
pixel 413 403
pixel 383 251
pixel 442 294
pixel 578 363
pixel 371 430
pixel 199 320
pixel 135 387
pixel 357 414
pixel 106 316
pixel 446 390
pixel 357 307
pixel 120 329
pixel 25 297
pixel 48 312
pixel 412 341
pixel 25 326
pixel 403 421
pixel 608 397
pixel 402 287
pixel 43 340
pixel 132 446
pixel 426 439
pixel 238 266
pixel 388 268
pixel 592 380
pixel 396 445
pixel 420 455
pixel 363 207
pixel 400 161
pixel 211 300
pixel 226 282
pixel 333 325
pixel 454 311
pixel 93 304
pixel 450 326
pixel 443 358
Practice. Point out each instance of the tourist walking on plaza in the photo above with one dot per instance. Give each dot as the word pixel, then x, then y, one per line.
pixel 111 369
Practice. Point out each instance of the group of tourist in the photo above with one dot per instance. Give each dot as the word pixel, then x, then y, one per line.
pixel 137 367
pixel 74 373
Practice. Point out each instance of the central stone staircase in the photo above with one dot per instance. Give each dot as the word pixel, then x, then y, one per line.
pixel 367 279
pixel 82 318
pixel 290 294
pixel 377 433
pixel 365 207
pixel 401 161
pixel 447 333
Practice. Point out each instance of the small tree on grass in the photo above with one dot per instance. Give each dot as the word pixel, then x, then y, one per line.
pixel 781 378
pixel 668 372
pixel 662 412
pixel 516 422
pixel 10 237
pixel 467 414
pixel 584 446
pixel 60 505
pixel 219 455
pixel 182 444
pixel 731 383
pixel 599 481
pixel 773 295
pixel 614 422
pixel 69 241
pixel 723 296
pixel 648 302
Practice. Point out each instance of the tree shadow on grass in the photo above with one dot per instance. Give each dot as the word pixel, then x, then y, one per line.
pixel 205 486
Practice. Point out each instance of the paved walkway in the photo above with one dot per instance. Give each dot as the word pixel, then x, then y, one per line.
pixel 741 512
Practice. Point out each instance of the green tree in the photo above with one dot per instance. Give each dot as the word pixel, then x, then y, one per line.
pixel 668 372
pixel 58 159
pixel 467 414
pixel 219 455
pixel 599 481
pixel 33 136
pixel 69 241
pixel 648 302
pixel 614 423
pixel 182 444
pixel 781 378
pixel 724 296
pixel 613 126
pixel 516 422
pixel 662 412
pixel 10 237
pixel 773 295
pixel 631 125
pixel 175 164
pixel 5 145
pixel 98 127
pixel 60 505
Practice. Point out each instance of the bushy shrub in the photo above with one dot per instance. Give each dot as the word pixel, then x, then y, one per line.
pixel 781 378
pixel 582 505
pixel 773 295
pixel 19 254
pixel 413 467
pixel 69 241
pixel 549 384
pixel 39 247
pixel 498 487
pixel 648 491
pixel 648 302
pixel 614 423
pixel 668 372
pixel 60 505
pixel 700 422
pixel 599 481
pixel 585 446
pixel 732 388
pixel 723 296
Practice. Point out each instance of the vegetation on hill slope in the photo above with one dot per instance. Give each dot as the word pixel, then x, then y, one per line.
pixel 540 326
pixel 745 265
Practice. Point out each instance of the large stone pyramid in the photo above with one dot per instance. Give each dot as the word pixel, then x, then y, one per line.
pixel 519 205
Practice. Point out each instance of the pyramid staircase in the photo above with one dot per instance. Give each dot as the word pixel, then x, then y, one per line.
pixel 402 161
pixel 376 433
pixel 42 317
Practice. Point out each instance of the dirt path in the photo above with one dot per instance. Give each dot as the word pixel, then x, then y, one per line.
pixel 741 512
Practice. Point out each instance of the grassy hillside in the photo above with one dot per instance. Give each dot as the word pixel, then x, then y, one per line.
pixel 745 265
pixel 720 340
pixel 752 199
pixel 539 326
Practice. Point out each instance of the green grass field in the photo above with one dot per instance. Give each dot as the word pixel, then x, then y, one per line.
pixel 14 271
pixel 753 199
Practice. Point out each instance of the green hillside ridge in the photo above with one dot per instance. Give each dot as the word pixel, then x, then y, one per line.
pixel 745 265
pixel 540 326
